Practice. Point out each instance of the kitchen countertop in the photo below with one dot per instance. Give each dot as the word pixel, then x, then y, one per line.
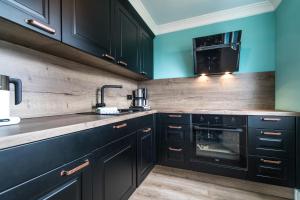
pixel 233 112
pixel 36 129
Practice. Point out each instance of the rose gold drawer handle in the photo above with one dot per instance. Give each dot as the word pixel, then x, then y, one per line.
pixel 175 116
pixel 176 150
pixel 271 133
pixel 39 25
pixel 270 119
pixel 147 130
pixel 120 126
pixel 271 161
pixel 76 169
pixel 175 127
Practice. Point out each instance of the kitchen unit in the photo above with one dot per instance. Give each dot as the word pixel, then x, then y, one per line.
pixel 140 100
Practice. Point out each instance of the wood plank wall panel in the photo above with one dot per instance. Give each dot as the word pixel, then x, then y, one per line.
pixel 249 91
pixel 56 86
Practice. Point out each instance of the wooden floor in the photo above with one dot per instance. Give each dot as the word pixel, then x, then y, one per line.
pixel 166 184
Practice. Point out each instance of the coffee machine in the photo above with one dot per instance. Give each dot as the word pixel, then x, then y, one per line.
pixel 5 81
pixel 140 99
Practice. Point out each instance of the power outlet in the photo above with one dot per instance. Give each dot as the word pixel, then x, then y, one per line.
pixel 129 97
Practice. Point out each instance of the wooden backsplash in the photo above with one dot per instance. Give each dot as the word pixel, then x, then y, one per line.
pixel 55 86
pixel 238 92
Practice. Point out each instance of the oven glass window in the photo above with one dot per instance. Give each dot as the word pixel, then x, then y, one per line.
pixel 218 144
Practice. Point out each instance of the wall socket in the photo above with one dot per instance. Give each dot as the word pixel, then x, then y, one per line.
pixel 129 97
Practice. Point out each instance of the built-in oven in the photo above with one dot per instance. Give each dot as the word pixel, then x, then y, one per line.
pixel 219 140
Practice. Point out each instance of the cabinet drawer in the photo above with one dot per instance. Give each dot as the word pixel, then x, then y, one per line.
pixel 272 122
pixel 144 121
pixel 174 153
pixel 70 181
pixel 271 170
pixel 175 118
pixel 25 162
pixel 175 132
pixel 123 128
pixel 270 142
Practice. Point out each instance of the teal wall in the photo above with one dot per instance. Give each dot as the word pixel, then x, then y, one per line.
pixel 288 55
pixel 173 54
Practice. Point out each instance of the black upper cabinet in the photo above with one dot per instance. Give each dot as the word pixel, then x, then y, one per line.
pixel 43 16
pixel 86 25
pixel 126 40
pixel 146 54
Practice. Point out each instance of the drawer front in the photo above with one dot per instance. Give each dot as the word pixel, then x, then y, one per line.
pixel 270 142
pixel 123 128
pixel 175 132
pixel 272 122
pixel 70 181
pixel 144 121
pixel 271 170
pixel 174 154
pixel 32 160
pixel 176 118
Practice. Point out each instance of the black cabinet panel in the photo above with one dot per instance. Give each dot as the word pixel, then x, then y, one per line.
pixel 126 40
pixel 87 25
pixel 145 152
pixel 271 170
pixel 114 172
pixel 43 16
pixel 273 122
pixel 54 186
pixel 176 118
pixel 146 54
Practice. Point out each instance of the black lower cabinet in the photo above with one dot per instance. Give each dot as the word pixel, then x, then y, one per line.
pixel 71 181
pixel 145 152
pixel 114 171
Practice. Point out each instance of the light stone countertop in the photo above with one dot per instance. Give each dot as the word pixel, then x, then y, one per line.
pixel 36 129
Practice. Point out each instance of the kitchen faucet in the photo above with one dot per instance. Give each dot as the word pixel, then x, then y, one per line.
pixel 102 104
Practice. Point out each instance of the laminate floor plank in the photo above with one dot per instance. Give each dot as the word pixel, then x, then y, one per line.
pixel 160 185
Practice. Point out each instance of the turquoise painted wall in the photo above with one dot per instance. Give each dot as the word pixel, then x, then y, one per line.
pixel 173 54
pixel 288 56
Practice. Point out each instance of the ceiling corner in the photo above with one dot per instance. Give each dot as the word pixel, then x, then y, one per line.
pixel 143 12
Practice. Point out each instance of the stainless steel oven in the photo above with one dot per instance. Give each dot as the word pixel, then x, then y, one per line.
pixel 219 139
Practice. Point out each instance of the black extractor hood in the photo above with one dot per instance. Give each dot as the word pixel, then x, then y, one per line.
pixel 217 54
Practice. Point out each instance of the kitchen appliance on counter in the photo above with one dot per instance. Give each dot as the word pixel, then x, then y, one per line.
pixel 219 140
pixel 5 81
pixel 140 99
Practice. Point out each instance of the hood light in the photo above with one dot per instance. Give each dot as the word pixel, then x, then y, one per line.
pixel 226 73
pixel 203 74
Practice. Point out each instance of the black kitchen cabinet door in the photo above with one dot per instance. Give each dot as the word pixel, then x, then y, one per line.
pixel 126 40
pixel 86 25
pixel 146 54
pixel 145 152
pixel 43 16
pixel 114 172
pixel 75 184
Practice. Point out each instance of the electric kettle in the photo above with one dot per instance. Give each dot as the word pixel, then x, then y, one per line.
pixel 5 81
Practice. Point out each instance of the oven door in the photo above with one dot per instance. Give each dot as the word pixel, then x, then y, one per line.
pixel 222 146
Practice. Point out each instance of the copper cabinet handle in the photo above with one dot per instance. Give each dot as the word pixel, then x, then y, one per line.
pixel 122 63
pixel 175 116
pixel 174 149
pixel 271 133
pixel 39 25
pixel 147 130
pixel 271 161
pixel 108 57
pixel 120 126
pixel 175 127
pixel 76 169
pixel 270 119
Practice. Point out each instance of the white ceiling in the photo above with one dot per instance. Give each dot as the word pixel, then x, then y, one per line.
pixel 165 16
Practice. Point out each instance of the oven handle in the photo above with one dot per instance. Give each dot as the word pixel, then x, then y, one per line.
pixel 219 129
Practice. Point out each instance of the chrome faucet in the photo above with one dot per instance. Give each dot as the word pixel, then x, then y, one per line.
pixel 102 104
